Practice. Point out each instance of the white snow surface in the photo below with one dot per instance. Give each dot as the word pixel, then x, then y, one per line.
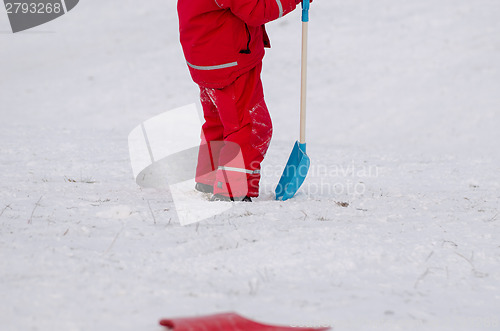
pixel 396 227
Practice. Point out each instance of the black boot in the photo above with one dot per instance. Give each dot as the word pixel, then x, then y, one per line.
pixel 204 188
pixel 220 197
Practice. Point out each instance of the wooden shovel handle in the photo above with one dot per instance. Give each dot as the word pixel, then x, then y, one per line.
pixel 303 83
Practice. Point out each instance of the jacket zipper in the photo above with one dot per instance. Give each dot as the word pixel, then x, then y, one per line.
pixel 247 50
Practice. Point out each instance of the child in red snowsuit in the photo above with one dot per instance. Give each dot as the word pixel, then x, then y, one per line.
pixel 223 43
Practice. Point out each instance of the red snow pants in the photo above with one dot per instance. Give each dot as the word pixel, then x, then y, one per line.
pixel 235 136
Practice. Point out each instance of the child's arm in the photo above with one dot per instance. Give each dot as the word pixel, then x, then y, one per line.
pixel 258 12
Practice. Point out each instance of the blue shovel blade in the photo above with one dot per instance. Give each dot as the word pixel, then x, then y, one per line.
pixel 294 174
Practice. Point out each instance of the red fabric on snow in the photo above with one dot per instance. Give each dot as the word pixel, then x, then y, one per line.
pixel 226 322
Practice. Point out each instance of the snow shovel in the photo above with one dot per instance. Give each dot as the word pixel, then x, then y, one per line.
pixel 298 163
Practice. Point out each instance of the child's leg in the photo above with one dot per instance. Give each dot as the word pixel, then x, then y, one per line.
pixel 211 140
pixel 247 127
pixel 260 139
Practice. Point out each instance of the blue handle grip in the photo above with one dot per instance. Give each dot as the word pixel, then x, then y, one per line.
pixel 305 10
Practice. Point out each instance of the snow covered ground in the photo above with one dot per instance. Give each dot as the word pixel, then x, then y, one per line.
pixel 396 228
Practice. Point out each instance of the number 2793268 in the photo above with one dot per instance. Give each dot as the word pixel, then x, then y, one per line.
pixel 33 8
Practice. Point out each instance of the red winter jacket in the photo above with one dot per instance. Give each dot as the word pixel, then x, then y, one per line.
pixel 223 39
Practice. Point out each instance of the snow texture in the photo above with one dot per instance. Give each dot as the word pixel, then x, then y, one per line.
pixel 396 227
